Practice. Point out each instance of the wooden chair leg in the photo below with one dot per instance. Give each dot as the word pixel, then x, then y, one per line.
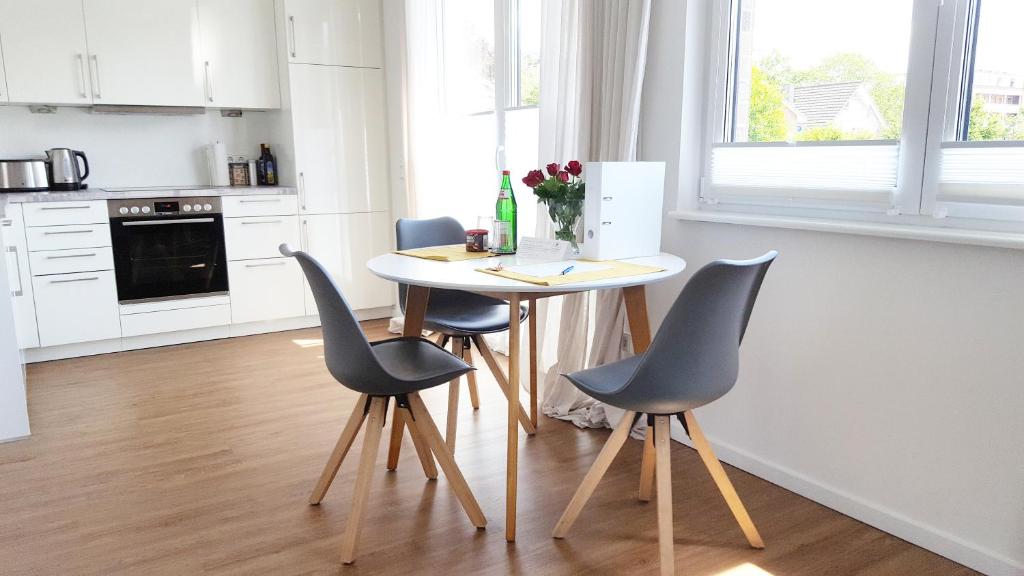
pixel 474 394
pixel 422 448
pixel 722 481
pixel 453 401
pixel 371 443
pixel 534 416
pixel 395 444
pixel 502 380
pixel 348 435
pixel 597 469
pixel 647 466
pixel 666 540
pixel 420 418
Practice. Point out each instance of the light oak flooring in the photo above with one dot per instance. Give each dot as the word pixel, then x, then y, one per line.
pixel 199 459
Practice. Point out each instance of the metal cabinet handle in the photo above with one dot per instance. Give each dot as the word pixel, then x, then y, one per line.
pixel 81 74
pixel 17 269
pixel 264 264
pixel 291 27
pixel 57 233
pixel 247 223
pixel 305 234
pixel 89 255
pixel 68 280
pixel 258 201
pixel 209 81
pixel 64 208
pixel 6 222
pixel 96 76
pixel 302 190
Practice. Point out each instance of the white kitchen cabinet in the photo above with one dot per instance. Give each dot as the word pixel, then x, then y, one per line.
pixel 265 289
pixel 239 53
pixel 340 132
pixel 81 307
pixel 144 52
pixel 19 276
pixel 44 51
pixel 62 213
pixel 334 32
pixel 259 205
pixel 68 237
pixel 259 236
pixel 343 243
pixel 3 79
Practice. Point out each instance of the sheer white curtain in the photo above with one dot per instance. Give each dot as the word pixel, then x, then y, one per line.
pixel 593 56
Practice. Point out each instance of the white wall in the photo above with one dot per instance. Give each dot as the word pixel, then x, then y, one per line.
pixel 135 149
pixel 881 377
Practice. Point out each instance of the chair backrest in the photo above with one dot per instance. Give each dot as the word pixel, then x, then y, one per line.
pixel 347 352
pixel 441 231
pixel 695 354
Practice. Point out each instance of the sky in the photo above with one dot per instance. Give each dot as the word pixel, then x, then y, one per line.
pixel 809 30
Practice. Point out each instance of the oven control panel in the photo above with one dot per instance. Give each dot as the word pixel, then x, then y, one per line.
pixel 149 207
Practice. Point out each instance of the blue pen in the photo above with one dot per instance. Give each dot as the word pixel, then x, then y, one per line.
pixel 567 270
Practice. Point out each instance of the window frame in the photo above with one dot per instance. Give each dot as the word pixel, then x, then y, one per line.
pixel 934 84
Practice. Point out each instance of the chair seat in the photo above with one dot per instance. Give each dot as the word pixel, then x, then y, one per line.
pixel 468 314
pixel 607 383
pixel 417 364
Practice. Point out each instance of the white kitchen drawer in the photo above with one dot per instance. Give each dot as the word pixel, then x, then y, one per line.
pixel 73 308
pixel 265 290
pixel 63 213
pixel 68 237
pixel 175 320
pixel 260 205
pixel 68 261
pixel 259 236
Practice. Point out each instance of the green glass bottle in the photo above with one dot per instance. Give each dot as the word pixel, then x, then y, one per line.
pixel 506 239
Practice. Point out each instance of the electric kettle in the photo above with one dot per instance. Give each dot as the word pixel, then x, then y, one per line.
pixel 62 169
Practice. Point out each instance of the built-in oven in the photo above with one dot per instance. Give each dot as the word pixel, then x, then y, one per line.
pixel 168 248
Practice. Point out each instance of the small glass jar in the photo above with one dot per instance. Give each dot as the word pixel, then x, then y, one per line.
pixel 476 240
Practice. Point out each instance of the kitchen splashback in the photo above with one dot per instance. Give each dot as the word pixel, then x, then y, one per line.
pixel 133 150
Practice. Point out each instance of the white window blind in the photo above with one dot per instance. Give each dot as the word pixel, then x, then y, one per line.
pixel 988 173
pixel 854 171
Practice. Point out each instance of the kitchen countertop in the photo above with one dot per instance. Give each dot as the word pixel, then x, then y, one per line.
pixel 140 192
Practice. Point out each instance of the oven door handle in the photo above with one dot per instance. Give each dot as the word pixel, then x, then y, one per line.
pixel 164 222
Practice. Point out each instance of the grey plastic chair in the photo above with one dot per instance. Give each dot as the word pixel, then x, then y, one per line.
pixel 693 360
pixel 461 318
pixel 381 371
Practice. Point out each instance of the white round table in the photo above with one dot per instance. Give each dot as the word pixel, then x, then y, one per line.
pixel 421 275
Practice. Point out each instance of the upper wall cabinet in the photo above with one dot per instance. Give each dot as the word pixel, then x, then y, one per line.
pixel 144 52
pixel 334 32
pixel 239 53
pixel 44 51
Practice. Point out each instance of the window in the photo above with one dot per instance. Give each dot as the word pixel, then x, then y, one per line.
pixel 905 111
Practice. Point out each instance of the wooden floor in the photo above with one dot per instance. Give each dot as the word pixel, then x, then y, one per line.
pixel 198 459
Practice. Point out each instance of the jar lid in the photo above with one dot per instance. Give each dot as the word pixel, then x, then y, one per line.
pixel 476 231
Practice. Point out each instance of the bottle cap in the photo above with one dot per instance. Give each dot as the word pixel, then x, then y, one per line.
pixel 505 172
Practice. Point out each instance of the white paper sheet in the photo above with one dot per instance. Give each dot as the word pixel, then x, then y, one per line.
pixel 545 269
pixel 539 250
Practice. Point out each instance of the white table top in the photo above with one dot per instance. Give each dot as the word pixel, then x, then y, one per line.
pixel 464 275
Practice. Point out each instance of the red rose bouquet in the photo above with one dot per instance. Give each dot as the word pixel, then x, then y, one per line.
pixel 562 191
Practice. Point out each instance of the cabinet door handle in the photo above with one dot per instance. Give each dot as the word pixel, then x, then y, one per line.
pixel 17 270
pixel 57 233
pixel 259 201
pixel 81 74
pixel 209 81
pixel 64 208
pixel 291 28
pixel 305 234
pixel 168 222
pixel 6 222
pixel 96 76
pixel 69 280
pixel 261 265
pixel 250 222
pixel 302 190
pixel 89 255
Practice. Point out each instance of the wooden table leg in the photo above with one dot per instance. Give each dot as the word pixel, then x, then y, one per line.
pixel 640 332
pixel 512 463
pixel 533 363
pixel 415 309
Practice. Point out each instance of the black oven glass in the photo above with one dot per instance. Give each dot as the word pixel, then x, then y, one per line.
pixel 161 257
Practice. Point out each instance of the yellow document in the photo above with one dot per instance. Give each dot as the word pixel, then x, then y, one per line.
pixel 609 269
pixel 452 253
